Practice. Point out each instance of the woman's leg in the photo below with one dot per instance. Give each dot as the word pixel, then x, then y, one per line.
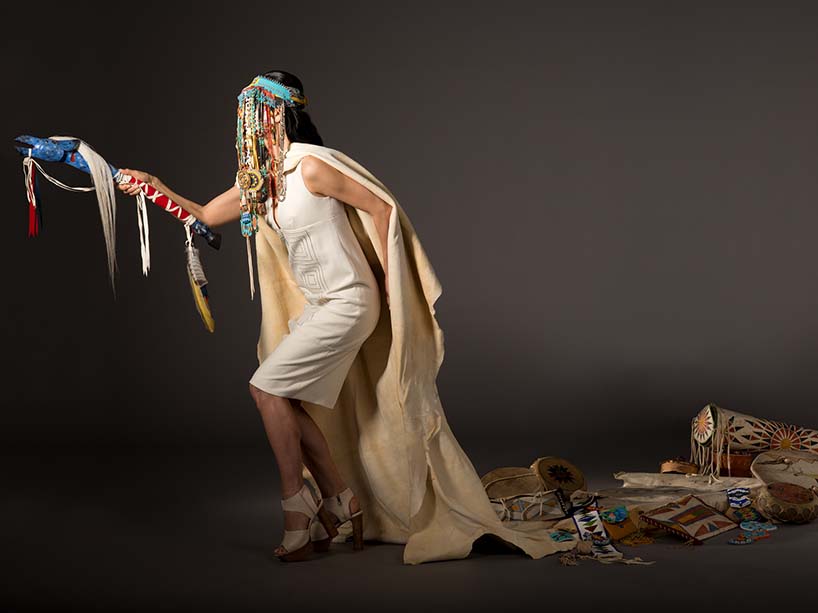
pixel 284 434
pixel 318 458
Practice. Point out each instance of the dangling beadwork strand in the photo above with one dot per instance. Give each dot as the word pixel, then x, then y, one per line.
pixel 260 134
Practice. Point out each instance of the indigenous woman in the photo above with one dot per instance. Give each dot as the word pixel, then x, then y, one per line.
pixel 350 347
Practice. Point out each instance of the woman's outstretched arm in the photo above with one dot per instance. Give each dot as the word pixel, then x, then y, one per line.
pixel 222 209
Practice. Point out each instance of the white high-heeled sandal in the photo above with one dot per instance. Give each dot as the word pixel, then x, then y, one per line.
pixel 338 506
pixel 297 543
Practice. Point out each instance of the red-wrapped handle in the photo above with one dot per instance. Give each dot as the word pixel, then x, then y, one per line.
pixel 155 196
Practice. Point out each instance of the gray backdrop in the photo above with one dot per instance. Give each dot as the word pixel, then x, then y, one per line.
pixel 620 204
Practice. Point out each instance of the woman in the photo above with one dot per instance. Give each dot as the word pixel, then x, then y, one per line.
pixel 343 309
pixel 349 348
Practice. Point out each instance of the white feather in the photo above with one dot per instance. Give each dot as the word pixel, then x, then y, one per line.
pixel 103 182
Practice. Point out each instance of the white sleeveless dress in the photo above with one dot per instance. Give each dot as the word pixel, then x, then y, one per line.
pixel 343 299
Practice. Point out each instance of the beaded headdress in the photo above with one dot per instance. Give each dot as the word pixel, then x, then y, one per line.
pixel 260 126
pixel 260 131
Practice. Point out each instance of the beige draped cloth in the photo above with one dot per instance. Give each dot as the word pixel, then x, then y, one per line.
pixel 388 433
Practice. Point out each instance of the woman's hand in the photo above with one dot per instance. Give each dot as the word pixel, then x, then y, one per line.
pixel 131 189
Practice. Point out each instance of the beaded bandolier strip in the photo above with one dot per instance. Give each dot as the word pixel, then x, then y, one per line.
pixel 260 132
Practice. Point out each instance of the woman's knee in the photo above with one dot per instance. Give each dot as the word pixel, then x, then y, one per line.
pixel 254 392
pixel 260 396
pixel 263 398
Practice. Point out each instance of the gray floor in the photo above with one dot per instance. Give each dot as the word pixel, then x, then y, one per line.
pixel 159 530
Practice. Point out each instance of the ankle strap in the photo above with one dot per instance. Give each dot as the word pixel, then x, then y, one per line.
pixel 302 502
pixel 339 504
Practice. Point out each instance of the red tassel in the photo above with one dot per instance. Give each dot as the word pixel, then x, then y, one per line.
pixel 33 225
pixel 32 221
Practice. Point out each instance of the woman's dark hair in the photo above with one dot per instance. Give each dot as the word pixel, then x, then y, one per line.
pixel 300 128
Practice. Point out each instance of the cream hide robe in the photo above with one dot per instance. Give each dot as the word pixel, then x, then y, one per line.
pixel 388 433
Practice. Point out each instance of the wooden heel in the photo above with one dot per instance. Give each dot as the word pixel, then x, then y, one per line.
pixel 326 521
pixel 322 545
pixel 358 532
pixel 335 512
